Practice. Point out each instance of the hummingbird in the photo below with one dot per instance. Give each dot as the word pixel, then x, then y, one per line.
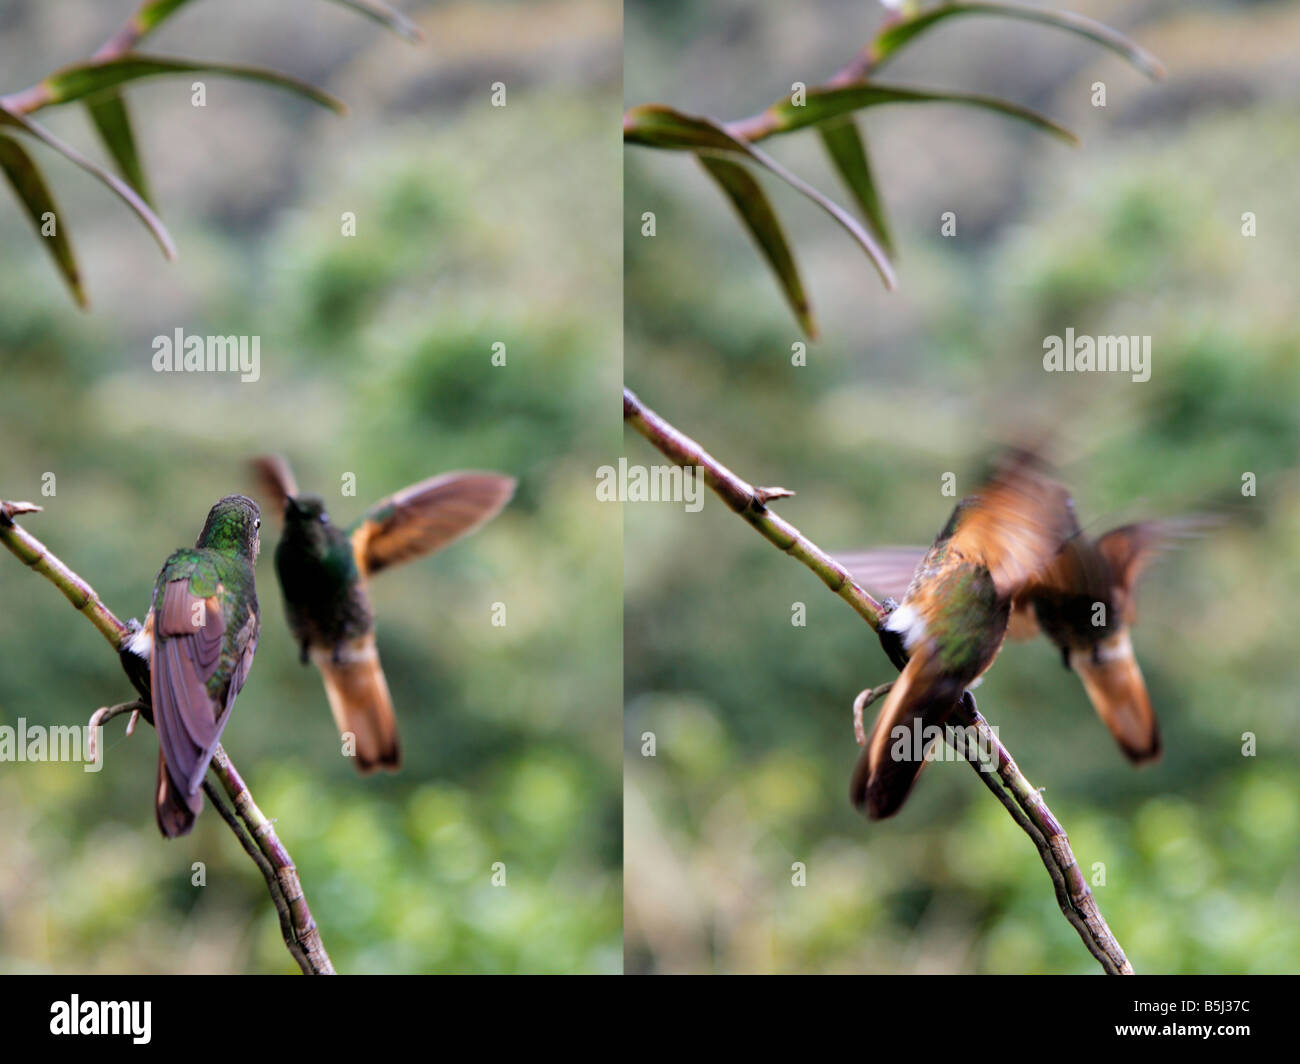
pixel 323 572
pixel 1084 602
pixel 953 618
pixel 192 654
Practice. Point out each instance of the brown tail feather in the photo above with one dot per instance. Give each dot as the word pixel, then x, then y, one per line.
pixel 888 767
pixel 359 699
pixel 175 813
pixel 1119 694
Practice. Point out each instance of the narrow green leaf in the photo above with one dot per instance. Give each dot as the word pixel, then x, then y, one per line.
pixel 124 191
pixel 113 123
pixel 848 151
pixel 752 204
pixel 30 188
pixel 822 105
pixel 390 17
pixel 151 15
pixel 891 39
pixel 657 126
pixel 80 80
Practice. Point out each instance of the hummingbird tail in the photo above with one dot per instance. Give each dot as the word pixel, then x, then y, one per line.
pixel 1114 683
pixel 896 749
pixel 176 813
pixel 359 699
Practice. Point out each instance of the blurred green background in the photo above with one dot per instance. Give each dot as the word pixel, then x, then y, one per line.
pixel 1137 232
pixel 475 225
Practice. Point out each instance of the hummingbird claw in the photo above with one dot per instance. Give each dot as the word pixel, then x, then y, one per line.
pixel 130 724
pixel 102 716
pixel 864 699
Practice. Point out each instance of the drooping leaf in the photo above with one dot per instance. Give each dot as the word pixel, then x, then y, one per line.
pixel 113 123
pixel 80 80
pixel 30 188
pixel 891 39
pixel 752 204
pixel 390 17
pixel 848 151
pixel 151 15
pixel 825 104
pixel 657 126
pixel 124 191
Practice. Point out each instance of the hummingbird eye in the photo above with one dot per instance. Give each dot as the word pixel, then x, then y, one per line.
pixel 257 522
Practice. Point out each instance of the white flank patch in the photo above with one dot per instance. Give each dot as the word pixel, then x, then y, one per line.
pixel 908 623
pixel 141 644
pixel 353 653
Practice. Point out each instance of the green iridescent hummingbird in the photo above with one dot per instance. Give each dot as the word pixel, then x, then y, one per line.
pixel 953 619
pixel 323 571
pixel 192 655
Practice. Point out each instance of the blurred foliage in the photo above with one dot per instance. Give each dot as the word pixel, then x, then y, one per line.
pixel 375 359
pixel 1140 232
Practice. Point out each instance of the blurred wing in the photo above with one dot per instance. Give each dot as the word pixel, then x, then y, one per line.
pixel 275 481
pixel 1016 523
pixel 1129 549
pixel 885 572
pixel 185 656
pixel 427 517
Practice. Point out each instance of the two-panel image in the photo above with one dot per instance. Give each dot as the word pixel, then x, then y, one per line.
pixel 614 486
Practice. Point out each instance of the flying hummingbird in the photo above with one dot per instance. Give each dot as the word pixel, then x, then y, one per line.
pixel 1083 601
pixel 953 618
pixel 191 656
pixel 323 571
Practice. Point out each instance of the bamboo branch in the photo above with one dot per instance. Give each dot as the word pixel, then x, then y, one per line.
pixel 301 935
pixel 127 36
pixel 1023 801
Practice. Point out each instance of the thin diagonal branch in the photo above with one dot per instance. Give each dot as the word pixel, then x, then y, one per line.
pixel 1022 800
pixel 302 937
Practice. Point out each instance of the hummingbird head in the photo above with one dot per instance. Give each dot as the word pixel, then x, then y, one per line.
pixel 306 521
pixel 233 527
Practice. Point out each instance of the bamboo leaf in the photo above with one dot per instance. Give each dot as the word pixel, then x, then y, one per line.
pixel 123 191
pixel 752 204
pixel 80 80
pixel 657 126
pixel 390 17
pixel 825 104
pixel 151 15
pixel 113 123
pixel 30 188
pixel 848 151
pixel 892 37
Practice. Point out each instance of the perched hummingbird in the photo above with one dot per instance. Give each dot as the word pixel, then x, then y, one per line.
pixel 1083 600
pixel 323 572
pixel 191 656
pixel 953 618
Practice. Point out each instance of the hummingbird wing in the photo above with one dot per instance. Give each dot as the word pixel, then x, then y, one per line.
pixel 1114 683
pixel 885 571
pixel 188 639
pixel 275 481
pixel 1129 549
pixel 921 699
pixel 1015 523
pixel 426 517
